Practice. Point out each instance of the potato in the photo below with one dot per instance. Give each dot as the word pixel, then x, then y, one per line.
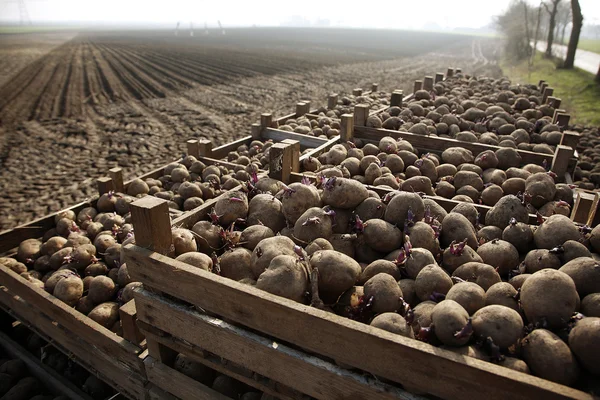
pixel 482 274
pixel 382 236
pixel 456 227
pixel 29 250
pixel 508 207
pixel 101 290
pixel 231 207
pixel 267 249
pixel 520 235
pixel 549 297
pixel 573 249
pixel 53 280
pixel 585 272
pixel 77 239
pixel 337 273
pixel 539 259
pixel 595 239
pixel 590 305
pixel 69 290
pixel 422 235
pixel 294 203
pixel 379 266
pixel 25 389
pixel 194 370
pixel 419 258
pixel 397 209
pixel 106 314
pixel 407 286
pixel 236 264
pixel 252 235
pixel 584 341
pixel 103 241
pixel 432 280
pixel 228 386
pixel 127 293
pixel 198 260
pixel 555 231
pixel 33 280
pixel 504 294
pixel 344 243
pixel 457 156
pixel 286 276
pixel 207 236
pixel 422 315
pixel 312 224
pixel 344 193
pixel 504 325
pixel 515 364
pixel 499 254
pixel 549 357
pixel 453 258
pixel 449 317
pixel 123 277
pixel 469 295
pixel 541 187
pixel 85 305
pixel 318 244
pixel 96 269
pixel 184 241
pixel 394 323
pixel 13 265
pixel 106 203
pixel 385 292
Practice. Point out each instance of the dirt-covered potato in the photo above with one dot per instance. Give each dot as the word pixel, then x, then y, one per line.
pixel 397 209
pixel 69 290
pixel 520 235
pixel 252 235
pixel 555 231
pixel 318 244
pixel 469 295
pixel 379 266
pixel 207 236
pixel 499 254
pixel 184 241
pixel 590 305
pixel 106 314
pixel 13 265
pixel 482 274
pixel 448 318
pixel 231 207
pixel 502 324
pixel 456 228
pixel 198 260
pixel 458 254
pixel 541 187
pixel 56 277
pixel 422 315
pixel 394 323
pixel 314 223
pixel 29 250
pixel 418 259
pixel 286 276
pixel 102 289
pixel 572 249
pixel 422 235
pixel 382 236
pixel 515 364
pixel 585 272
pixel 295 202
pixel 343 193
pixel 504 294
pixel 385 291
pixel 337 273
pixel 549 357
pixel 584 341
pixel 430 281
pixel 127 294
pixel 549 297
pixel 508 207
pixel 236 264
pixel 267 249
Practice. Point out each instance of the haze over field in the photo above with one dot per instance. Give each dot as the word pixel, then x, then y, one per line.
pixel 427 14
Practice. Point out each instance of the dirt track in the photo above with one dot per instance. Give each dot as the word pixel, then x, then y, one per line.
pixel 108 99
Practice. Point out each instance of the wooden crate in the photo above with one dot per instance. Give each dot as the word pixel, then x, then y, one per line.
pixel 314 333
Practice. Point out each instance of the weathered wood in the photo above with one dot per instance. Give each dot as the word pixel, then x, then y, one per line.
pixel 556 112
pixel 332 100
pixel 548 91
pixel 560 162
pixel 321 149
pixel 357 92
pixel 152 224
pixel 105 185
pixel 302 108
pixel 543 86
pixel 374 87
pixel 593 215
pixel 450 72
pixel 570 138
pixel 555 102
pixel 292 368
pixel 584 202
pixel 116 174
pixel 306 142
pixel 205 148
pixel 155 393
pixel 223 151
pixel 255 130
pixel 295 153
pixel 188 219
pixel 458 70
pixel 280 162
pixel 52 380
pixel 418 85
pixel 439 76
pixel 361 113
pixel 266 120
pixel 428 83
pixel 562 120
pixel 396 99
pixel 415 364
pixel 128 316
pixel 193 148
pixel 347 128
pixel 178 384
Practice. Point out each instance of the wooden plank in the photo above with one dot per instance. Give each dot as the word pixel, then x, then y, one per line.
pixel 155 393
pixel 347 128
pixel 52 380
pixel 255 130
pixel 414 364
pixel 584 202
pixel 439 144
pixel 418 85
pixel 223 151
pixel 193 148
pixel 295 153
pixel 560 162
pixel 266 120
pixel 111 363
pixel 306 142
pixel 322 148
pixel 280 162
pixel 150 217
pixel 374 87
pixel 428 83
pixel 357 92
pixel 563 119
pixel 570 138
pixel 128 316
pixel 332 100
pixel 396 99
pixel 439 76
pixel 593 210
pixel 178 384
pixel 292 368
pixel 302 108
pixel 116 174
pixel 449 73
pixel 361 113
pixel 105 185
pixel 548 91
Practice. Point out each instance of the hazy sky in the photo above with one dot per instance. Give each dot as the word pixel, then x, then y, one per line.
pixel 384 14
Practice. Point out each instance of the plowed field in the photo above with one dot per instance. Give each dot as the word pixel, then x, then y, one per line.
pixel 71 111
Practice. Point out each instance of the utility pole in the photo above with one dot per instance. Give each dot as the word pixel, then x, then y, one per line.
pixel 221 26
pixel 191 29
pixel 177 29
pixel 23 14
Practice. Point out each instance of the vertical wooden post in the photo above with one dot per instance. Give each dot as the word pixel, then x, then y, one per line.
pixel 193 148
pixel 361 113
pixel 347 128
pixel 357 92
pixel 300 109
pixel 332 100
pixel 397 96
pixel 306 107
pixel 570 138
pixel 585 207
pixel 543 87
pixel 450 73
pixel 556 112
pixel 540 82
pixel 548 91
pixel 128 315
pixel 458 70
pixel 556 102
pixel 280 162
pixel 160 352
pixel 562 120
pixel 374 87
pixel 256 131
pixel 439 76
pixel 266 119
pixel 418 85
pixel 428 83
pixel 152 224
pixel 205 148
pixel 105 185
pixel 295 153
pixel 560 162
pixel 116 174
pixel 550 100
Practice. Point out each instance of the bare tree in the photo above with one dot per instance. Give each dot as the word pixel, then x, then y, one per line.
pixel 518 43
pixel 563 18
pixel 552 12
pixel 574 39
pixel 527 33
pixel 537 31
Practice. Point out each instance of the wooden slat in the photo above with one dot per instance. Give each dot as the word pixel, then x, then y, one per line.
pixel 189 218
pixel 292 368
pixel 280 162
pixel 223 151
pixel 111 363
pixel 416 364
pixel 52 380
pixel 178 384
pixel 322 148
pixel 116 174
pixel 128 316
pixel 306 141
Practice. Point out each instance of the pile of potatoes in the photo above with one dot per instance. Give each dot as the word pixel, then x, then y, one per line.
pixel 454 174
pixel 79 260
pixel 477 109
pixel 346 103
pixel 587 172
pixel 324 127
pixel 525 297
pixel 16 383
